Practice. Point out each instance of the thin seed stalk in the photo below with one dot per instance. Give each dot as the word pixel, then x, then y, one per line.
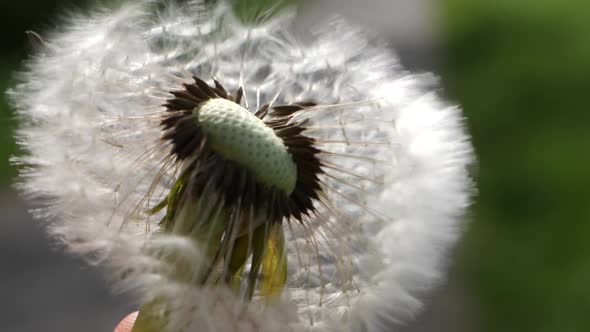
pixel 208 226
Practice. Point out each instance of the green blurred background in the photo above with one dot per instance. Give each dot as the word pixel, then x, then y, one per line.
pixel 521 71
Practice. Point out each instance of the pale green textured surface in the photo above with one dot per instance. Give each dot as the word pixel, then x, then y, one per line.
pixel 240 136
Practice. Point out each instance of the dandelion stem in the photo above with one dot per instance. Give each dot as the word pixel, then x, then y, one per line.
pixel 146 321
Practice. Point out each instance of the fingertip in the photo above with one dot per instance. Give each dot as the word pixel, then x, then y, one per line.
pixel 127 324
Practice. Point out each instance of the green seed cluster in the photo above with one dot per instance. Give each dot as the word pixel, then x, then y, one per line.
pixel 240 136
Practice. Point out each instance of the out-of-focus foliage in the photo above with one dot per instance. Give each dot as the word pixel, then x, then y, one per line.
pixel 7 146
pixel 521 70
pixel 252 11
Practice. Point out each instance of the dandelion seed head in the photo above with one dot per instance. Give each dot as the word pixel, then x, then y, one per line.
pixel 240 136
pixel 366 172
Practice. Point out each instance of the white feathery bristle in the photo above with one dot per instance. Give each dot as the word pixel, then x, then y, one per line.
pixel 396 158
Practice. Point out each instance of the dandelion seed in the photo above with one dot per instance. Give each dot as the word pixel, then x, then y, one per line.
pixel 240 177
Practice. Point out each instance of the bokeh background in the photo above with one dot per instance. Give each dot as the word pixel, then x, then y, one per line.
pixel 521 71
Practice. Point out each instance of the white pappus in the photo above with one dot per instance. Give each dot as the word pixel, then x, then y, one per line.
pixel 146 127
